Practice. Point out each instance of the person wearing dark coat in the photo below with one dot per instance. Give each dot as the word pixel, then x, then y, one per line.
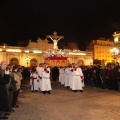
pixel 95 78
pixel 108 74
pixel 102 75
pixel 4 79
pixel 117 80
pixel 112 81
pixel 55 73
pixel 89 76
pixel 85 72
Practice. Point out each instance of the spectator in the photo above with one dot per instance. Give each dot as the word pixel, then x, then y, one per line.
pixel 4 79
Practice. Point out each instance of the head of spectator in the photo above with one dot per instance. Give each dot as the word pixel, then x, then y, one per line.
pixel 117 64
pixel 119 69
pixel 112 66
pixel 15 69
pixel 3 65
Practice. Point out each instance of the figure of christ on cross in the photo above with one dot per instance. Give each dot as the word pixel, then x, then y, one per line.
pixel 55 38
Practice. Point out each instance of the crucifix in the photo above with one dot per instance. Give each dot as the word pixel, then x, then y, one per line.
pixel 55 38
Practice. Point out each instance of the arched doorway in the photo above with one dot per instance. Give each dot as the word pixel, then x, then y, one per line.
pixel 80 62
pixel 14 61
pixel 33 62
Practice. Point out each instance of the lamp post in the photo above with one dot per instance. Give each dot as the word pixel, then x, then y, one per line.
pixel 27 60
pixel 114 52
pixel 91 62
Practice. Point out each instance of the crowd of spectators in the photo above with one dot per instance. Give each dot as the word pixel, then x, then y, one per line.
pixel 106 77
pixel 10 85
pixel 11 77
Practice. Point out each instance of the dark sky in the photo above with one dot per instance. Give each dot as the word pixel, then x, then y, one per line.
pixel 78 20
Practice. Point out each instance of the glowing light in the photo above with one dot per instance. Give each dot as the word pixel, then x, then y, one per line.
pixel 13 50
pixel 114 51
pixel 72 53
pixel 27 59
pixel 26 51
pixel 37 51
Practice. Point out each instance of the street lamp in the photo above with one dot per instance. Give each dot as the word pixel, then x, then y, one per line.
pixel 4 45
pixel 27 60
pixel 114 52
pixel 91 62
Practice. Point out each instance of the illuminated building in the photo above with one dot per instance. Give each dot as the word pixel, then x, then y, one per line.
pixel 101 50
pixel 33 54
pixel 116 36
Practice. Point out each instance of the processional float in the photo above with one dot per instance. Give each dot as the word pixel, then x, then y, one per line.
pixel 56 57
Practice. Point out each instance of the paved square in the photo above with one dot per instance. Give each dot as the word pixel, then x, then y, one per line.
pixel 63 104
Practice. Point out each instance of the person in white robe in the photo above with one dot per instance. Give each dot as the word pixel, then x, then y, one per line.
pixel 71 75
pixel 46 83
pixel 60 74
pixel 67 77
pixel 77 79
pixel 31 80
pixel 39 71
pixel 63 76
pixel 35 81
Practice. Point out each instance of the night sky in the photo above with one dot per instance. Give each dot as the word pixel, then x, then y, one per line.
pixel 77 20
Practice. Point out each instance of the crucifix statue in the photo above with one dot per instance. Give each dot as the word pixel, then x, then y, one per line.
pixel 55 38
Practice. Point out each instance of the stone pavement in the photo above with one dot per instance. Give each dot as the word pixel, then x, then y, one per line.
pixel 63 104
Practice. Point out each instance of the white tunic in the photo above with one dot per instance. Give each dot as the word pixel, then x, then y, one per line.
pixel 62 76
pixel 46 83
pixel 31 76
pixel 77 80
pixel 67 76
pixel 39 71
pixel 71 77
pixel 35 82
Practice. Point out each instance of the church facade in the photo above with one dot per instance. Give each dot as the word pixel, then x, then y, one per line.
pixel 34 53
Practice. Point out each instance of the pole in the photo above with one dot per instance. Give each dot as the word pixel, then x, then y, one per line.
pixel 27 63
pixel 115 59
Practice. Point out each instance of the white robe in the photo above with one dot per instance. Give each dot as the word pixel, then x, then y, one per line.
pixel 71 77
pixel 77 80
pixel 39 71
pixel 35 82
pixel 62 76
pixel 31 76
pixel 67 76
pixel 46 83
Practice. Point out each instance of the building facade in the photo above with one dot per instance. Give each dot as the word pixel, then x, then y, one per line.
pixel 35 51
pixel 116 36
pixel 101 50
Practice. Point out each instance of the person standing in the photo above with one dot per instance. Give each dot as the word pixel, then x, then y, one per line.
pixel 94 78
pixel 118 80
pixel 60 74
pixel 71 75
pixel 17 85
pixel 46 83
pixel 31 80
pixel 39 71
pixel 55 73
pixel 4 79
pixel 67 77
pixel 102 75
pixel 77 83
pixel 112 77
pixel 35 81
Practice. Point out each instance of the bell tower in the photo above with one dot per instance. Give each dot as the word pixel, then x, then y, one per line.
pixel 116 36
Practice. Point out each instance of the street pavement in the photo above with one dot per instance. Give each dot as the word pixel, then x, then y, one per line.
pixel 64 104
